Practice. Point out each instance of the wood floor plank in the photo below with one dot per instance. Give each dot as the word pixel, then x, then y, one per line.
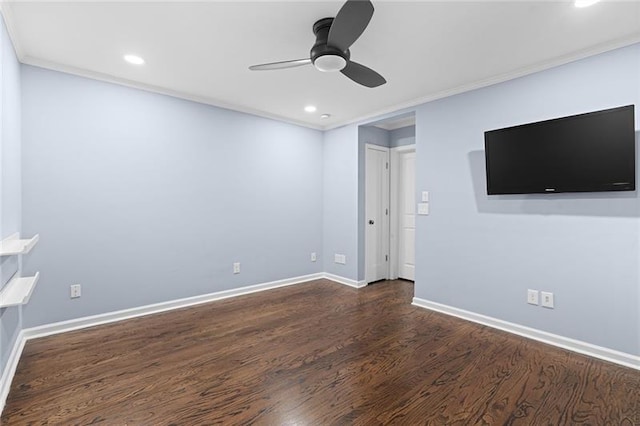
pixel 316 353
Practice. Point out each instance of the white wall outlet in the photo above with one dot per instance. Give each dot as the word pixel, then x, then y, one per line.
pixel 532 297
pixel 547 299
pixel 425 196
pixel 313 257
pixel 236 268
pixel 423 208
pixel 340 258
pixel 76 291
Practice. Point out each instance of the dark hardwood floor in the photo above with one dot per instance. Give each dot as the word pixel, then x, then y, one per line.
pixel 313 354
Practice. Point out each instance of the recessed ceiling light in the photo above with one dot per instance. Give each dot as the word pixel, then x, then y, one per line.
pixel 134 59
pixel 585 3
pixel 325 116
pixel 310 108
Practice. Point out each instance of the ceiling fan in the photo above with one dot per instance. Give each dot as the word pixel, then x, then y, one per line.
pixel 334 36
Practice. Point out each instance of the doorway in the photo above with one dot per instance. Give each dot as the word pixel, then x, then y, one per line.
pixel 403 212
pixel 377 213
pixel 388 217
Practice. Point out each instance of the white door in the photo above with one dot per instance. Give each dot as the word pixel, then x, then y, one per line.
pixel 376 213
pixel 407 216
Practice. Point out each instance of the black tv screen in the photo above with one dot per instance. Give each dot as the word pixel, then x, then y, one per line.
pixel 582 153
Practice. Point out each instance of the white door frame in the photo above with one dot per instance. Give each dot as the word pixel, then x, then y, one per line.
pixel 385 222
pixel 394 223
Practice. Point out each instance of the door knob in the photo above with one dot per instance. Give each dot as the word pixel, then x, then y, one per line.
pixel 371 222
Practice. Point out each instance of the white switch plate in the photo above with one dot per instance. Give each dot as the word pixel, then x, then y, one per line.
pixel 425 196
pixel 547 299
pixel 76 291
pixel 236 268
pixel 423 208
pixel 313 257
pixel 532 297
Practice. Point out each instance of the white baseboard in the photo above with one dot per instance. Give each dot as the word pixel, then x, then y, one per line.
pixel 617 357
pixel 606 354
pixel 109 317
pixel 345 281
pixel 10 369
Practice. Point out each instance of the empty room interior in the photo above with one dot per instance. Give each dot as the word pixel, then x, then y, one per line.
pixel 331 212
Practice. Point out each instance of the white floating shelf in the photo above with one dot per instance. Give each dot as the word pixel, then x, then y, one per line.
pixel 18 291
pixel 13 245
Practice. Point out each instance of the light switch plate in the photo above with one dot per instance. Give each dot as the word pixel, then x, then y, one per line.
pixel 425 196
pixel 423 208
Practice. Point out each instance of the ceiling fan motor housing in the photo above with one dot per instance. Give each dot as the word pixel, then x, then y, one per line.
pixel 327 58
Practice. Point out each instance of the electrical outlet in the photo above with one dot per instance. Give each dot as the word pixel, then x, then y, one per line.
pixel 547 299
pixel 313 257
pixel 532 297
pixel 236 268
pixel 423 208
pixel 76 291
pixel 340 258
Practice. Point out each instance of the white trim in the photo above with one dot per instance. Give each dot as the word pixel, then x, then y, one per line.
pixel 109 317
pixel 94 75
pixel 397 123
pixel 7 13
pixel 5 9
pixel 345 281
pixel 552 63
pixel 404 148
pixel 386 205
pixel 10 369
pixel 611 355
pixel 584 348
pixel 394 207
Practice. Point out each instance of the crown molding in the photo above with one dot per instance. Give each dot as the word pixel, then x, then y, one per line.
pixel 5 9
pixel 402 108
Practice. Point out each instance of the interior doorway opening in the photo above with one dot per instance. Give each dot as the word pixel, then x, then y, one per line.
pixel 388 203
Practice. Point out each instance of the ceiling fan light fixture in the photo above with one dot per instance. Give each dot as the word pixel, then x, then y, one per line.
pixel 330 63
pixel 334 37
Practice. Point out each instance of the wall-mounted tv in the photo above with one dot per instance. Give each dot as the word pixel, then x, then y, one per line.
pixel 582 153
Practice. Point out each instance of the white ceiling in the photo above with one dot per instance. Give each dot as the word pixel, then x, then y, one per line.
pixel 202 50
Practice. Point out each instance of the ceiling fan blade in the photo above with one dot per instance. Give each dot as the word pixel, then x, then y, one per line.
pixel 363 75
pixel 280 65
pixel 350 23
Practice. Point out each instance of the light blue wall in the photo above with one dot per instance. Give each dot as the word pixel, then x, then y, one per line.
pixel 482 253
pixel 340 200
pixel 10 191
pixel 143 198
pixel 402 136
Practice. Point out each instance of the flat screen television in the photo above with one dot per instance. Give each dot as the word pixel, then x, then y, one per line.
pixel 589 152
